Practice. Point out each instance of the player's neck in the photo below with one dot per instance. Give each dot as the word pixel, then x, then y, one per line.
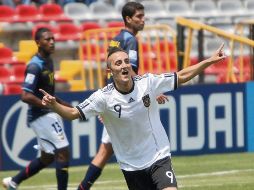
pixel 131 30
pixel 124 87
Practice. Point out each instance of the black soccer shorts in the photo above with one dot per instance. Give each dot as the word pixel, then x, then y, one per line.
pixel 158 176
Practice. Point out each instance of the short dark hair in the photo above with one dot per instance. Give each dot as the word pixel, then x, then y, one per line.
pixel 39 32
pixel 130 8
pixel 112 50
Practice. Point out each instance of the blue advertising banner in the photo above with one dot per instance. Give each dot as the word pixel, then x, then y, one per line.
pixel 198 119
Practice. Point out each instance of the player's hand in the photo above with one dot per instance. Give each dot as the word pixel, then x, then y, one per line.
pixel 47 99
pixel 219 54
pixel 161 99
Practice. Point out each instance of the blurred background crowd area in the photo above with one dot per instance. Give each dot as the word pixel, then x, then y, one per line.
pixel 83 29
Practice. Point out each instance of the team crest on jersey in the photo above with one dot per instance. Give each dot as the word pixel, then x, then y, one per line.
pixel 146 100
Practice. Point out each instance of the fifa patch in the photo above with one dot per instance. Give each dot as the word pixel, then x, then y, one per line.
pixel 146 100
pixel 113 43
pixel 29 78
pixel 133 55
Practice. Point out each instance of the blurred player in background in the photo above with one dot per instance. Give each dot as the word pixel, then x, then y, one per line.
pixel 140 142
pixel 134 20
pixel 47 125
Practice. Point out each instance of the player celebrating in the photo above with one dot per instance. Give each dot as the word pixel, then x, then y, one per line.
pixel 134 21
pixel 141 146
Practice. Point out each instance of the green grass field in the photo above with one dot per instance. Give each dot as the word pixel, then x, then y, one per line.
pixel 209 172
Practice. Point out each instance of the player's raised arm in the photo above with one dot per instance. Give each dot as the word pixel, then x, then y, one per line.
pixel 69 113
pixel 188 73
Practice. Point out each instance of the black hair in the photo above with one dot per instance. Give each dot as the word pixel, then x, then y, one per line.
pixel 130 8
pixel 39 32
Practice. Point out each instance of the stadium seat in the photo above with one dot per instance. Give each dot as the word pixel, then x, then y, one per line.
pixel 43 25
pixel 93 50
pixel 104 11
pixel 18 71
pixel 72 71
pixel 204 9
pixel 178 8
pixel 112 24
pixel 231 8
pixel 27 48
pixel 155 10
pixel 5 75
pixel 67 31
pixel 11 89
pixel 89 25
pixel 249 6
pixel 6 55
pixel 7 14
pixel 77 11
pixel 27 13
pixel 53 12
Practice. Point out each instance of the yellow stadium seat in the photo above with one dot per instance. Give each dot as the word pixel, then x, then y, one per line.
pixel 27 48
pixel 1 45
pixel 72 71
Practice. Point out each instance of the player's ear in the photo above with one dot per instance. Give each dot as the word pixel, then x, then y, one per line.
pixel 128 19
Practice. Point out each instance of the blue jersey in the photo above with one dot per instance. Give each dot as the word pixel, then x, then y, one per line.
pixel 127 41
pixel 39 75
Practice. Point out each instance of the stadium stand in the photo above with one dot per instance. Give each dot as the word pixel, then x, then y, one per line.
pixel 103 11
pixel 27 13
pixel 178 8
pixel 78 11
pixel 152 9
pixel 67 31
pixel 53 12
pixel 11 89
pixel 72 71
pixel 231 8
pixel 18 72
pixel 204 9
pixel 5 75
pixel 27 48
pixel 6 55
pixel 7 14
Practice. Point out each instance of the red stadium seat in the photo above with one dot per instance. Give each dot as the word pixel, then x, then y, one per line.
pixel 5 75
pixel 18 72
pixel 89 25
pixel 7 13
pixel 94 55
pixel 11 89
pixel 27 13
pixel 6 55
pixel 52 12
pixel 44 25
pixel 114 24
pixel 67 31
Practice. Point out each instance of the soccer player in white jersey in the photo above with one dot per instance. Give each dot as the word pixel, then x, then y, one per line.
pixel 131 116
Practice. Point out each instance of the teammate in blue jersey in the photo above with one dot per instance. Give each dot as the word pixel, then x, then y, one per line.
pixel 134 19
pixel 47 125
pixel 141 147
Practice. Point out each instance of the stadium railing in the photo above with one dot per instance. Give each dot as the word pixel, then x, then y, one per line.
pixel 230 74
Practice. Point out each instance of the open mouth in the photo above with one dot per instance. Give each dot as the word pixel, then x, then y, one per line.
pixel 125 72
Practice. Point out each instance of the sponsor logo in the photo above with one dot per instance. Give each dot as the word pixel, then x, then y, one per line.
pixel 16 135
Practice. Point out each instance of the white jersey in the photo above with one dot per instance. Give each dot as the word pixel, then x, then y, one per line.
pixel 132 119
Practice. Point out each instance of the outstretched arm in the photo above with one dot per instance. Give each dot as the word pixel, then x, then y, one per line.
pixel 66 112
pixel 188 73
